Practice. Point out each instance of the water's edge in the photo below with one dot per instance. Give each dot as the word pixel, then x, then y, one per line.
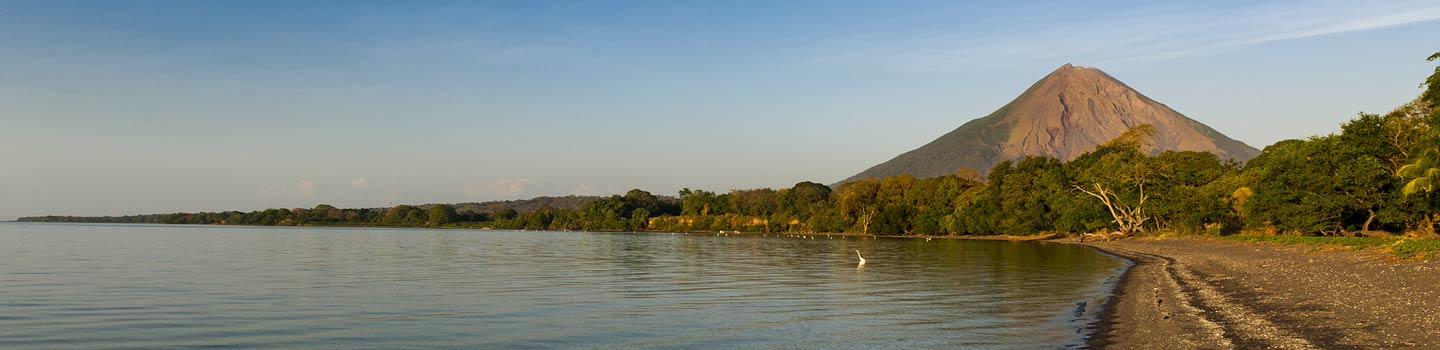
pixel 1098 334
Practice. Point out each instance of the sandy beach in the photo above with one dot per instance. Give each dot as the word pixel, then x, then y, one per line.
pixel 1212 294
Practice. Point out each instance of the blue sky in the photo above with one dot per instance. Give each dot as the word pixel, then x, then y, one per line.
pixel 113 107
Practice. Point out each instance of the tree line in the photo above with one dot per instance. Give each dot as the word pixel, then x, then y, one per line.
pixel 1378 173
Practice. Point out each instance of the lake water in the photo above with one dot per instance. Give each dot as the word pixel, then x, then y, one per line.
pixel 65 286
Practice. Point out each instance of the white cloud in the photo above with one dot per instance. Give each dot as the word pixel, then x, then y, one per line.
pixel 466 50
pixel 591 190
pixel 367 183
pixel 1155 31
pixel 306 187
pixel 1326 21
pixel 583 190
pixel 500 187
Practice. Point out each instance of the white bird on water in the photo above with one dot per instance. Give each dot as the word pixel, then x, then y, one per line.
pixel 862 258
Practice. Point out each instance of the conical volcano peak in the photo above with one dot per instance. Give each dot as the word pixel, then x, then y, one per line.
pixel 1082 74
pixel 1080 81
pixel 1063 115
pixel 1074 68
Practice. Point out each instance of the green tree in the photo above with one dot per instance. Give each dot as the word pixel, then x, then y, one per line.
pixel 1023 197
pixel 1116 174
pixel 754 202
pixel 1182 198
pixel 857 202
pixel 539 219
pixel 1316 186
pixel 506 214
pixel 639 219
pixel 803 200
pixel 441 214
pixel 699 202
pixel 639 199
pixel 324 213
pixel 891 221
pixel 1364 161
pixel 404 215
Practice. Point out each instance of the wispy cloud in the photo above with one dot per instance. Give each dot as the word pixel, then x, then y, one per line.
pixel 367 183
pixel 592 190
pixel 1356 16
pixel 583 190
pixel 500 187
pixel 306 187
pixel 469 51
pixel 1149 32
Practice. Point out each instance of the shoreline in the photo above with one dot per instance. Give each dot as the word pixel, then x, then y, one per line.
pixel 1052 237
pixel 1196 293
pixel 1127 305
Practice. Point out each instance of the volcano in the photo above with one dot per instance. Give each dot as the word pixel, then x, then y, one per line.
pixel 1062 116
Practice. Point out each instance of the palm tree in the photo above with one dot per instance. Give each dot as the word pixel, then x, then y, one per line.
pixel 1423 174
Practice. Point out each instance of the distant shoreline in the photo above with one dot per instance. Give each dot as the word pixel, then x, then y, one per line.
pixel 1014 238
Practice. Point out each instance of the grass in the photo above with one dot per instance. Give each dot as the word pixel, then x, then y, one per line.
pixel 1353 242
pixel 1400 247
pixel 1421 248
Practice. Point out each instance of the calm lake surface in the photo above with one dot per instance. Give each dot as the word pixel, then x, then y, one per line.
pixel 65 286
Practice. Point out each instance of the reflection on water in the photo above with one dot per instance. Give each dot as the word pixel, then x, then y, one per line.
pixel 111 286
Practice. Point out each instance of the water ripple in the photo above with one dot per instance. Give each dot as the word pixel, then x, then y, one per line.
pixel 156 287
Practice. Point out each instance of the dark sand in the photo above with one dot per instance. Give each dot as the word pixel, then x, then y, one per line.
pixel 1213 294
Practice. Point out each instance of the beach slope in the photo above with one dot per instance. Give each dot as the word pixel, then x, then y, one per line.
pixel 1212 294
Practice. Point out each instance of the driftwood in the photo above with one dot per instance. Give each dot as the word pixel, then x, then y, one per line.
pixel 1113 235
pixel 1129 218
